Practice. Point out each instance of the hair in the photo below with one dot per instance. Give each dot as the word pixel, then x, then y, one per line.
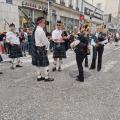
pixel 12 25
pixel 39 19
pixel 59 21
pixel 64 33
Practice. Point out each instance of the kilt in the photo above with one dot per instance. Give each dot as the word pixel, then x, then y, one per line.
pixel 15 51
pixel 59 50
pixel 40 58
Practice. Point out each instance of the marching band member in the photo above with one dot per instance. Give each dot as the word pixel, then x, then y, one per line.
pixel 15 51
pixel 80 46
pixel 59 47
pixel 39 52
pixel 98 41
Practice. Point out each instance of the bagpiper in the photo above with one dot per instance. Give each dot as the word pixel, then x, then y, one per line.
pixel 39 47
pixel 59 51
pixel 99 39
pixel 12 38
pixel 80 46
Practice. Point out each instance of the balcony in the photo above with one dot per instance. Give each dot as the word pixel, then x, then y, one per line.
pixel 62 2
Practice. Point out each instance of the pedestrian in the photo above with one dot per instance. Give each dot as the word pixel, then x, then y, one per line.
pixel 86 31
pixel 29 41
pixel 98 41
pixel 80 46
pixel 23 40
pixel 15 50
pixel 117 37
pixel 39 51
pixel 59 47
pixel 0 62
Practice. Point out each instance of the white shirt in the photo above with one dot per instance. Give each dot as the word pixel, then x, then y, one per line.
pixel 56 35
pixel 26 36
pixel 12 38
pixel 40 38
pixel 93 41
pixel 102 43
pixel 117 35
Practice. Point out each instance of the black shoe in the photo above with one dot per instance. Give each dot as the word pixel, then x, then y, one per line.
pixel 77 76
pixel 40 79
pixel 92 68
pixel 12 68
pixel 99 69
pixel 1 72
pixel 18 66
pixel 49 79
pixel 59 69
pixel 54 69
pixel 80 80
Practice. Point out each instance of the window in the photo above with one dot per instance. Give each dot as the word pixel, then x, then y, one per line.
pixel 77 5
pixel 70 2
pixel 9 1
pixel 62 2
pixel 99 5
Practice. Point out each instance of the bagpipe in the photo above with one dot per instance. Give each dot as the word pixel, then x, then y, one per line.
pixel 66 39
pixel 81 39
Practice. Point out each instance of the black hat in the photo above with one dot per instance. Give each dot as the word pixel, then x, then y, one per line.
pixel 59 21
pixel 12 25
pixel 39 19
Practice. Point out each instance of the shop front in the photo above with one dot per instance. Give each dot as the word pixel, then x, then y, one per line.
pixel 96 15
pixel 29 11
pixel 68 16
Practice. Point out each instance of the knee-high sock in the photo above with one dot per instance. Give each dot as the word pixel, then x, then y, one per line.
pixel 55 63
pixel 46 71
pixel 13 62
pixel 60 62
pixel 18 61
pixel 38 72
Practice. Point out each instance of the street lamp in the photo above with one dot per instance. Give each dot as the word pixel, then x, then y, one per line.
pixel 49 14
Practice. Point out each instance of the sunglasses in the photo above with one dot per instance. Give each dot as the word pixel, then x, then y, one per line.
pixel 58 24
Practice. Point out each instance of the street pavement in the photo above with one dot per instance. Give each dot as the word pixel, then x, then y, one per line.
pixel 98 98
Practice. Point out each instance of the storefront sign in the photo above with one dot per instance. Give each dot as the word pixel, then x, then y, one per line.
pixel 34 5
pixel 89 12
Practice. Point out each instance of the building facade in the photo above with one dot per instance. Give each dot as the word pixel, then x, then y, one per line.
pixel 108 6
pixel 24 13
pixel 8 14
pixel 93 13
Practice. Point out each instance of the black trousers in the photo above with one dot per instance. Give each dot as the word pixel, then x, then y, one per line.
pixel 97 51
pixel 79 60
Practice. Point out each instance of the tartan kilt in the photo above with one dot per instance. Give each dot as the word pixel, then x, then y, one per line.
pixel 40 58
pixel 59 50
pixel 15 51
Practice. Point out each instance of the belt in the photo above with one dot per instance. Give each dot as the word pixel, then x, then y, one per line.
pixel 41 47
pixel 58 43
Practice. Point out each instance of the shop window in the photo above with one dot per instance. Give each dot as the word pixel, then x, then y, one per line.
pixel 70 4
pixel 9 1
